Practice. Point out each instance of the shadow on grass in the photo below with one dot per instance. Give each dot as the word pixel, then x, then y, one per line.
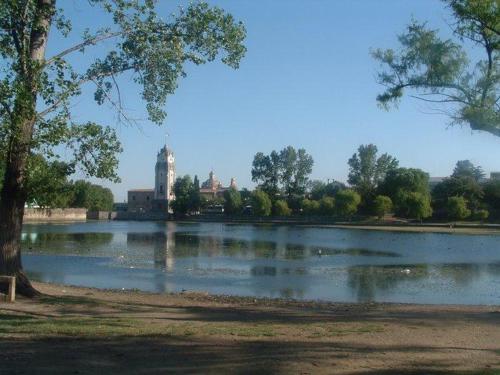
pixel 126 355
pixel 272 313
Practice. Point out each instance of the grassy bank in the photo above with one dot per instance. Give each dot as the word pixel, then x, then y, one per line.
pixel 79 330
pixel 393 226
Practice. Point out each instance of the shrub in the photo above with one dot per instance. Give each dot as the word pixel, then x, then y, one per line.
pixel 418 205
pixel 281 208
pixel 456 208
pixel 310 207
pixel 327 206
pixel 382 205
pixel 347 202
pixel 232 201
pixel 481 215
pixel 261 204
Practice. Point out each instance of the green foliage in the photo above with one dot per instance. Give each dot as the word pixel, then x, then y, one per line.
pixel 492 194
pixel 326 206
pixel 440 72
pixel 296 166
pixel 184 191
pixel 382 205
pixel 232 201
pixel 464 168
pixel 481 215
pixel 245 196
pixel 261 203
pixel 280 208
pixel 47 183
pixel 457 208
pixel 347 202
pixel 47 186
pixel 319 189
pixel 414 205
pixel 461 186
pixel 37 93
pixel 404 180
pixel 366 170
pixel 310 207
pixel 92 197
pixel 286 171
pixel 195 199
pixel 266 172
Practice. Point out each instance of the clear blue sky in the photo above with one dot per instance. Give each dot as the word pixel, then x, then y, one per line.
pixel 307 80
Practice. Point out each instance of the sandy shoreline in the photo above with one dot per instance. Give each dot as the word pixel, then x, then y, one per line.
pixel 89 331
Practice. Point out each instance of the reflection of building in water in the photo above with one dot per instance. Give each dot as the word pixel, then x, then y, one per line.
pixel 157 199
pixel 213 188
pixel 161 243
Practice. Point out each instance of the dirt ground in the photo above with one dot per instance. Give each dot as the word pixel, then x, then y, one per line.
pixel 86 331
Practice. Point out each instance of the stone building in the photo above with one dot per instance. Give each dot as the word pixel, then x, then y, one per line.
pixel 212 188
pixel 140 200
pixel 157 199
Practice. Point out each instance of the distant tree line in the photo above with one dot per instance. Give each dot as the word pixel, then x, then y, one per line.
pixel 376 186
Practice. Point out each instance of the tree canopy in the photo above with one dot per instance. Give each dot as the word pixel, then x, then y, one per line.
pixel 457 208
pixel 261 203
pixel 347 202
pixel 382 205
pixel 37 91
pixel 91 196
pixel 465 168
pixel 285 172
pixel 464 86
pixel 367 169
pixel 232 201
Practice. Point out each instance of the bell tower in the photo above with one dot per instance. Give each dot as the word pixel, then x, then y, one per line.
pixel 164 176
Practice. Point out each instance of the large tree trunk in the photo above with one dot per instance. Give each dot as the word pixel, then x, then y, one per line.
pixel 13 198
pixel 13 195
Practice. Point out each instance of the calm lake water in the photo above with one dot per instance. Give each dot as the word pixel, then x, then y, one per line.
pixel 267 261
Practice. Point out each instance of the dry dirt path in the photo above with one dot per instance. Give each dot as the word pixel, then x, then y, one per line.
pixel 88 331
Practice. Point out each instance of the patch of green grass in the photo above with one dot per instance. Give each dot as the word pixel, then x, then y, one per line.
pixel 87 327
pixel 242 330
pixel 331 330
pixel 69 300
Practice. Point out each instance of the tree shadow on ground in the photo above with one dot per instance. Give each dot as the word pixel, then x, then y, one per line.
pixel 292 313
pixel 146 355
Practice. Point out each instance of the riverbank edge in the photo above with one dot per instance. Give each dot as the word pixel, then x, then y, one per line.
pixel 224 299
pixel 460 228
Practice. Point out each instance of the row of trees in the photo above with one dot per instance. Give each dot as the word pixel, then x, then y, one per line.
pixel 385 187
pixel 377 185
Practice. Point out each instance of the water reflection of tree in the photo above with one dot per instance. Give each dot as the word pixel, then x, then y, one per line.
pixel 293 251
pixel 161 244
pixel 367 281
pixel 493 269
pixel 462 274
pixel 75 243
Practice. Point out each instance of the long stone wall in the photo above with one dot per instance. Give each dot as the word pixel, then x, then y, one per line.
pixel 55 214
pixel 141 216
pixel 101 215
